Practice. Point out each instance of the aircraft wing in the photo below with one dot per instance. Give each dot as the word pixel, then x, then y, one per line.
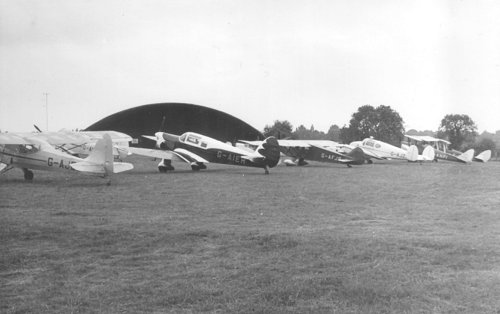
pixel 328 150
pixel 371 154
pixel 58 138
pixel 188 156
pixel 13 139
pixel 115 136
pixel 154 153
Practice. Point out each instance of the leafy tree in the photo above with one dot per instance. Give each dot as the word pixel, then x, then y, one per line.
pixel 485 144
pixel 278 129
pixel 333 133
pixel 308 134
pixel 383 123
pixel 459 129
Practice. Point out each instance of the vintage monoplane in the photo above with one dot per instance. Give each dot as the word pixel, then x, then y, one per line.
pixel 28 151
pixel 316 150
pixel 198 150
pixel 375 149
pixel 81 143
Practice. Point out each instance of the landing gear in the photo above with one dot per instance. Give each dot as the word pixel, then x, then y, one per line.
pixel 165 165
pixel 349 166
pixel 266 170
pixel 302 162
pixel 197 166
pixel 28 174
pixel 369 161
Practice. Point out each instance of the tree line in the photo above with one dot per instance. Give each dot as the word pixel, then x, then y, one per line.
pixel 385 124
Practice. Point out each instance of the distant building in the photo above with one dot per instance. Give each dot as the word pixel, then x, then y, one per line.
pixel 179 118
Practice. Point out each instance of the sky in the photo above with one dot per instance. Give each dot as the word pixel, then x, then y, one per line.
pixel 68 64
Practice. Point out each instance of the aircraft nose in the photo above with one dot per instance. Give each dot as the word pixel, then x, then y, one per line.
pixel 170 140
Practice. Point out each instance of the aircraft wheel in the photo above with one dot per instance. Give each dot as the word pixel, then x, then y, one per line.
pixel 195 168
pixel 369 161
pixel 162 169
pixel 202 165
pixel 28 175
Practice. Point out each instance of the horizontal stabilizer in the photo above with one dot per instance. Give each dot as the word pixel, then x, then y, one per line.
pixel 89 167
pixel 484 156
pixel 153 153
pixel 467 156
pixel 122 166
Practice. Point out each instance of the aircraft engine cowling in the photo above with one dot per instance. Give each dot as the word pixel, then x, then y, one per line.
pixel 161 144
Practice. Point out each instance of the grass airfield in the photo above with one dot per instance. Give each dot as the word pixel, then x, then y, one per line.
pixel 390 237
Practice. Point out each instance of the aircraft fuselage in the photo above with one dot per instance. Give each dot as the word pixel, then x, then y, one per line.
pixel 31 157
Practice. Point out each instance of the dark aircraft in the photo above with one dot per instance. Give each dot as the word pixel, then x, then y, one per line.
pixel 317 150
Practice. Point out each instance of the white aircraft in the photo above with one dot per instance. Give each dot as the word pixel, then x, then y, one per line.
pixel 198 150
pixel 30 151
pixel 381 150
pixel 82 143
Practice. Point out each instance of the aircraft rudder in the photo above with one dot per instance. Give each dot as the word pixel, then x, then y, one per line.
pixel 484 156
pixel 467 156
pixel 412 153
pixel 429 153
pixel 357 155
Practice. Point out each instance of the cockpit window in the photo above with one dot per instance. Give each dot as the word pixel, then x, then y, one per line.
pixel 193 139
pixel 369 143
pixel 28 149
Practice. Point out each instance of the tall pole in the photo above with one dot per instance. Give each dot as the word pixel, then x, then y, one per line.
pixel 47 110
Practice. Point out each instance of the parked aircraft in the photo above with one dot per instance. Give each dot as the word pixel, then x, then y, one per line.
pixel 198 150
pixel 32 152
pixel 441 148
pixel 316 150
pixel 82 143
pixel 380 150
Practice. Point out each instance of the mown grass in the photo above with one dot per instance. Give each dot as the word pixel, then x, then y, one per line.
pixel 381 238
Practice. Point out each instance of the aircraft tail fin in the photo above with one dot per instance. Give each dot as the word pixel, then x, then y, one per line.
pixel 357 155
pixel 100 161
pixel 484 156
pixel 270 149
pixel 467 156
pixel 428 153
pixel 412 153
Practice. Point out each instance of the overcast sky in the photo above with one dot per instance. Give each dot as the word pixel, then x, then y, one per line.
pixel 308 62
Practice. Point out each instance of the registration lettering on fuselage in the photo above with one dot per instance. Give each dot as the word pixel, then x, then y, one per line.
pixel 54 163
pixel 233 158
pixel 328 156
